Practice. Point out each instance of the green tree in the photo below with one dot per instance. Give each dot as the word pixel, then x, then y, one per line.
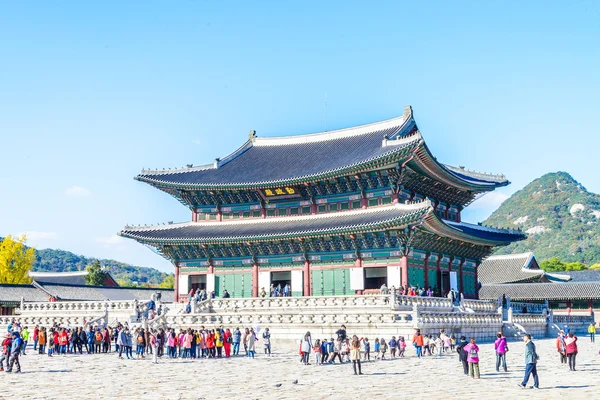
pixel 575 266
pixel 168 283
pixel 16 260
pixel 96 274
pixel 595 266
pixel 553 265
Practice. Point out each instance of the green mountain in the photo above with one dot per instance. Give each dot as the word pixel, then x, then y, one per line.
pixel 560 217
pixel 62 261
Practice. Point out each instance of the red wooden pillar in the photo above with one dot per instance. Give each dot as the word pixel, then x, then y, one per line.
pixel 426 268
pixel 211 269
pixel 254 280
pixel 219 216
pixel 591 306
pixel 394 198
pixel 358 264
pixel 313 208
pixel 460 276
pixel 176 286
pixel 476 283
pixel 404 272
pixel 307 281
pixel 194 216
pixel 263 212
pixel 364 202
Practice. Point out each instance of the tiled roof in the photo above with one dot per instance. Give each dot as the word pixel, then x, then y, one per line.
pixel 542 291
pixel 82 293
pixel 13 293
pixel 485 232
pixel 281 160
pixel 67 278
pixel 583 276
pixel 510 268
pixel 293 159
pixel 284 227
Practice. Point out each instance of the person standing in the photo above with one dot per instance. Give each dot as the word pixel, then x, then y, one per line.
pixel 355 354
pixel 472 351
pixel 154 344
pixel 237 337
pixel 571 346
pixel 42 340
pixel 531 359
pixel 306 346
pixel 6 347
pixel 267 341
pixel 501 348
pixel 121 343
pixel 561 347
pixel 462 354
pixel 250 339
pixel 25 338
pixel 36 333
pixel 592 332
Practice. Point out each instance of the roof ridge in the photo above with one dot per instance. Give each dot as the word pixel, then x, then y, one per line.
pixel 510 256
pixel 338 133
pixel 402 206
pixel 476 174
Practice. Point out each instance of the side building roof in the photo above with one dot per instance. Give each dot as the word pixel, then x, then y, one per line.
pixel 100 293
pixel 289 160
pixel 542 291
pixel 11 294
pixel 511 268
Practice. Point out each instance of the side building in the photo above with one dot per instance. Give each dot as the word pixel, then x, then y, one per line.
pixel 333 213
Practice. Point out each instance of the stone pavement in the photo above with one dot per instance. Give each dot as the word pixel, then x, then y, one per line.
pixel 105 376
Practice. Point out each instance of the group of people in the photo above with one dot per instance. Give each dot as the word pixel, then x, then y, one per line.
pixel 184 343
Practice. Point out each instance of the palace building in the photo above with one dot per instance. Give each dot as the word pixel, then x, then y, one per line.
pixel 333 213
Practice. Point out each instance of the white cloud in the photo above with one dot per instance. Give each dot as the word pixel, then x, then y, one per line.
pixel 113 242
pixel 77 191
pixel 40 239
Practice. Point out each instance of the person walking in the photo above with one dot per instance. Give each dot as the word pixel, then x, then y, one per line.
pixel 418 342
pixel 237 337
pixel 355 354
pixel 267 341
pixel 592 332
pixel 472 351
pixel 154 344
pixel 531 359
pixel 15 351
pixel 250 339
pixel 571 348
pixel 501 348
pixel 6 347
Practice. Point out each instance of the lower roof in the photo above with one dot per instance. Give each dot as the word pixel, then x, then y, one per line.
pixel 511 268
pixel 542 291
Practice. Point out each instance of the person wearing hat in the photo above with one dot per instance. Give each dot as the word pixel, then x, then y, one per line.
pixel 6 345
pixel 15 351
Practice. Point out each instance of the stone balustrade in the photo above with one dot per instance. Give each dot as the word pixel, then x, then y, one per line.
pixel 441 303
pixel 529 319
pixel 81 307
pixel 529 308
pixel 453 320
pixel 573 319
pixel 294 303
pixel 485 306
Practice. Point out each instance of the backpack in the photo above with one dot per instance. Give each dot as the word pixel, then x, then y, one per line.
pixel 473 353
pixel 140 339
pixel 98 336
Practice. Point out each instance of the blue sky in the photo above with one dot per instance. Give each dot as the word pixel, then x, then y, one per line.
pixel 91 92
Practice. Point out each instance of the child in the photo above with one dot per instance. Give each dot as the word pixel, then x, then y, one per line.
pixel 317 351
pixel 401 347
pixel 439 343
pixel 426 345
pixel 51 343
pixel 324 351
pixel 367 349
pixel 377 348
pixel 393 344
pixel 383 348
pixel 472 351
pixel 452 342
pixel 344 351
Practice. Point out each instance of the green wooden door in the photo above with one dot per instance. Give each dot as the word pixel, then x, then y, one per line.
pixel 317 283
pixel 432 276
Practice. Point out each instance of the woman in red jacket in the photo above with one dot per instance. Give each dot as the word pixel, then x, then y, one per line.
pixel 571 344
pixel 227 339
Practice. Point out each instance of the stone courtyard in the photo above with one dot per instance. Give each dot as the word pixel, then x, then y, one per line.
pixel 105 376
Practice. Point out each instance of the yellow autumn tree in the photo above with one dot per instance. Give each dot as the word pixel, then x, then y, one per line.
pixel 16 260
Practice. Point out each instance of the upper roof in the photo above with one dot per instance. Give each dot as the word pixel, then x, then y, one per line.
pixel 511 268
pixel 376 218
pixel 271 161
pixel 542 291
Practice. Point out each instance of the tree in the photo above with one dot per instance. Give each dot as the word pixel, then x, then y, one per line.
pixel 595 266
pixel 552 265
pixel 575 266
pixel 96 274
pixel 168 283
pixel 16 260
